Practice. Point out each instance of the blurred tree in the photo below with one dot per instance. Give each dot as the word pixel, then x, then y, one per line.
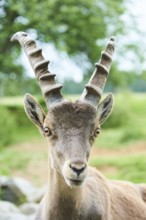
pixel 72 26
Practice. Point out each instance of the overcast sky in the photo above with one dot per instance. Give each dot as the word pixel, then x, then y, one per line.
pixel 139 10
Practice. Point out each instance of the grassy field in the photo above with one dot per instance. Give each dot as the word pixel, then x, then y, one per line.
pixel 119 151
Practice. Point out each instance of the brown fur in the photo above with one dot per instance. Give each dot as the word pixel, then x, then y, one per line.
pixel 72 130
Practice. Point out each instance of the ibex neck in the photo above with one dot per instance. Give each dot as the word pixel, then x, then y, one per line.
pixel 62 200
pixel 57 185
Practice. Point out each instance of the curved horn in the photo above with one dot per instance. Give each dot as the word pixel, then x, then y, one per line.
pixel 94 89
pixel 50 90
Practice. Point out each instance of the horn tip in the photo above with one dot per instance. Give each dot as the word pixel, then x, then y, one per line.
pixel 113 38
pixel 17 35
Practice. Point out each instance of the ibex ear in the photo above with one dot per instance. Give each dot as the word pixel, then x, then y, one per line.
pixel 105 108
pixel 34 111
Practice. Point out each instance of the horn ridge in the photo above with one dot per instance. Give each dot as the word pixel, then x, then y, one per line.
pixel 101 68
pixel 49 76
pixel 39 64
pixel 41 67
pixel 94 89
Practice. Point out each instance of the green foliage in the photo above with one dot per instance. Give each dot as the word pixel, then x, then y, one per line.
pixel 138 84
pixel 76 27
pixel 25 129
pixel 72 26
pixel 125 124
pixel 128 111
pixel 7 127
pixel 119 117
pixel 121 114
pixel 71 87
pixel 14 125
pixel 18 86
pixel 118 79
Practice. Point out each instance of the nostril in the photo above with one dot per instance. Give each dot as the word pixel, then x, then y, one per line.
pixel 78 171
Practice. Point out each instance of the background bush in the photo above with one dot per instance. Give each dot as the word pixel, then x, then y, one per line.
pixel 127 121
pixel 121 115
pixel 7 127
pixel 15 126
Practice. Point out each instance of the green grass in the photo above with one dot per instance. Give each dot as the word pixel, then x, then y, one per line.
pixel 109 138
pixel 126 126
pixel 12 159
pixel 132 168
pixel 120 137
pixel 11 101
pixel 127 123
pixel 28 133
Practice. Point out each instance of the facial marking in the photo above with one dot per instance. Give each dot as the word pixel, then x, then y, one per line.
pixel 106 103
pixel 31 104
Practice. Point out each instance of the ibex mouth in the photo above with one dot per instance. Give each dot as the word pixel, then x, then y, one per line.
pixel 74 182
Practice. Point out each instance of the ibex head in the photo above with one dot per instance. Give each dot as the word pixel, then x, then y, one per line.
pixel 70 128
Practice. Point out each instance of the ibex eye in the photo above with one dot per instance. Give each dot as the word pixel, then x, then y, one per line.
pixel 97 131
pixel 47 131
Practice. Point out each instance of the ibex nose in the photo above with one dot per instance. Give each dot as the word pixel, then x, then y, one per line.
pixel 78 166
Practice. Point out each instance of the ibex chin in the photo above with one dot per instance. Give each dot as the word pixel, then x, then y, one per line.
pixel 76 191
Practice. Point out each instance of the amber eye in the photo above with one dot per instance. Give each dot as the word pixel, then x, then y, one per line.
pixel 96 132
pixel 47 131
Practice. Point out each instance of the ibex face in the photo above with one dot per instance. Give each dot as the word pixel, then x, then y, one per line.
pixel 73 129
pixel 70 128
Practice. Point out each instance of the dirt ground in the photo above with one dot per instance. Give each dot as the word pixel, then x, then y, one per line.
pixel 36 170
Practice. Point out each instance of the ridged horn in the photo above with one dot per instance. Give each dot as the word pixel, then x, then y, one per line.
pixel 50 90
pixel 94 89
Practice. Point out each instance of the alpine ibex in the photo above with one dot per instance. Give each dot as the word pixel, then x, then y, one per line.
pixel 76 191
